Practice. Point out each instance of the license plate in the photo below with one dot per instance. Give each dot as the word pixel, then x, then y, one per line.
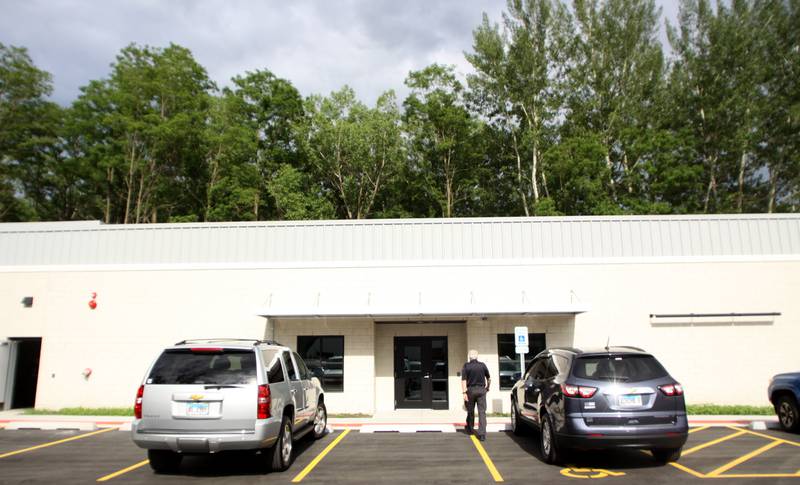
pixel 630 400
pixel 197 409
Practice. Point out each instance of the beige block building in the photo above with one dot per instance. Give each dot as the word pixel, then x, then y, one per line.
pixel 389 308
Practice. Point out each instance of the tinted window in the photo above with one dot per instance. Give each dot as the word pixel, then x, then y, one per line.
pixel 186 367
pixel 538 369
pixel 274 365
pixel 289 367
pixel 625 368
pixel 304 374
pixel 550 368
pixel 324 355
pixel 508 360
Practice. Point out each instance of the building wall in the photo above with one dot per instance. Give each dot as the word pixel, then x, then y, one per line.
pixel 482 336
pixel 139 312
pixel 358 395
pixel 384 358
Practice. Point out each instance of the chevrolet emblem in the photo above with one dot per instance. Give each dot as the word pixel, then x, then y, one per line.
pixel 197 397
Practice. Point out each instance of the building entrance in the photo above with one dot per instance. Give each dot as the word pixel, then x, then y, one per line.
pixel 19 372
pixel 420 373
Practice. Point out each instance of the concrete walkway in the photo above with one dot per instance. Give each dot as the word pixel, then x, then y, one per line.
pixel 402 420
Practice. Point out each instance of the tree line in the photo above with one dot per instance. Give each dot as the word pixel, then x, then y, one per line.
pixel 571 109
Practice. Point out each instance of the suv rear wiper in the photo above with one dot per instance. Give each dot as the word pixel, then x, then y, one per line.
pixel 222 386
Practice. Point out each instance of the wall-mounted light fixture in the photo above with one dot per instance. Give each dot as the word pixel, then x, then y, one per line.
pixel 27 302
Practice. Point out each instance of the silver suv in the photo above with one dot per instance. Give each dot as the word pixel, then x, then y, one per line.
pixel 206 396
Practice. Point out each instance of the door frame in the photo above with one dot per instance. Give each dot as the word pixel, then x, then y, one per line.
pixel 427 401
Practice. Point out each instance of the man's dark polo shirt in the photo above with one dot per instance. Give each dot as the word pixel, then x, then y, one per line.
pixel 475 373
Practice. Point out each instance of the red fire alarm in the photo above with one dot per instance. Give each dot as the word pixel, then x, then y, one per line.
pixel 93 302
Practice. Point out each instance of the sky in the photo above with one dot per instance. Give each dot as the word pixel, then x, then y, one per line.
pixel 319 46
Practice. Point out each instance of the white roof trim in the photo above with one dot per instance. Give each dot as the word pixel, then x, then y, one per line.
pixel 424 311
pixel 423 302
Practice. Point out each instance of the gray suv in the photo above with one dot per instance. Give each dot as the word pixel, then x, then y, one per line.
pixel 206 396
pixel 615 397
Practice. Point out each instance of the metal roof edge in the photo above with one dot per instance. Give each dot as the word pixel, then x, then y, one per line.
pixel 57 226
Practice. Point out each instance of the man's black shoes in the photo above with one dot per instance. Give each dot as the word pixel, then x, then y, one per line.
pixel 481 438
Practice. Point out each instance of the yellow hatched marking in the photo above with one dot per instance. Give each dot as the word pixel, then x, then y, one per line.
pixel 300 476
pixel 687 469
pixel 58 442
pixel 773 438
pixel 486 460
pixel 743 459
pixel 701 428
pixel 712 443
pixel 124 470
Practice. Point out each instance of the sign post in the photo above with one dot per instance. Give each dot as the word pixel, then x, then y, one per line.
pixel 521 346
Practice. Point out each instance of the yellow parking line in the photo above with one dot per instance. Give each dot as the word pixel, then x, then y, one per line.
pixel 486 459
pixel 687 469
pixel 124 470
pixel 773 438
pixel 300 476
pixel 743 459
pixel 712 443
pixel 701 428
pixel 760 475
pixel 53 443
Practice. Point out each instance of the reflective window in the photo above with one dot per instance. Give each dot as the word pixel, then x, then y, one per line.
pixel 508 359
pixel 183 366
pixel 274 366
pixel 324 356
pixel 290 367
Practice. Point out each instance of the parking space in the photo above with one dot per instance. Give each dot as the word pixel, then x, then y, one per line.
pixel 733 454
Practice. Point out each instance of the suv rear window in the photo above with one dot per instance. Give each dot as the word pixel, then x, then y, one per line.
pixel 624 368
pixel 182 366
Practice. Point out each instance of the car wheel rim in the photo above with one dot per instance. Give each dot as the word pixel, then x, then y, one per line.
pixel 546 438
pixel 286 445
pixel 319 421
pixel 787 415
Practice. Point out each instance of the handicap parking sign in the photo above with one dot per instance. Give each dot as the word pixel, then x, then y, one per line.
pixel 521 335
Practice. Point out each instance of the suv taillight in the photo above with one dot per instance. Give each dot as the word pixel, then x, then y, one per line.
pixel 137 405
pixel 264 401
pixel 585 392
pixel 672 389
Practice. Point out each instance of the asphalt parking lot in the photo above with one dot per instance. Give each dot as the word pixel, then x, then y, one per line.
pixel 735 455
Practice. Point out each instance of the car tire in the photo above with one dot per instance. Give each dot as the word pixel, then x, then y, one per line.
pixel 666 455
pixel 551 454
pixel 788 414
pixel 164 461
pixel 281 452
pixel 518 427
pixel 320 421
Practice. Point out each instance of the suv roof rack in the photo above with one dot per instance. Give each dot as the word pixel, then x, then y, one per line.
pixel 210 340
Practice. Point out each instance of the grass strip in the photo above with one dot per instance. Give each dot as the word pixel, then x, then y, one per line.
pixel 80 411
pixel 729 409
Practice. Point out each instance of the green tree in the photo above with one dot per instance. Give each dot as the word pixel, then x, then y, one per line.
pixel 516 86
pixel 444 138
pixel 616 73
pixel 145 125
pixel 30 169
pixel 354 150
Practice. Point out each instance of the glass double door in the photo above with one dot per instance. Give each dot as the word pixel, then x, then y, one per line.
pixel 420 372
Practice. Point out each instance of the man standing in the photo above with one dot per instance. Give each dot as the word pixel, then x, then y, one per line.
pixel 474 384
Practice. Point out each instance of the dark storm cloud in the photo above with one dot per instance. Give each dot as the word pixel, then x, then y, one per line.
pixel 320 46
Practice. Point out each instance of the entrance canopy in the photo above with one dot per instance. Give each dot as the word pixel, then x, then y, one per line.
pixel 428 302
